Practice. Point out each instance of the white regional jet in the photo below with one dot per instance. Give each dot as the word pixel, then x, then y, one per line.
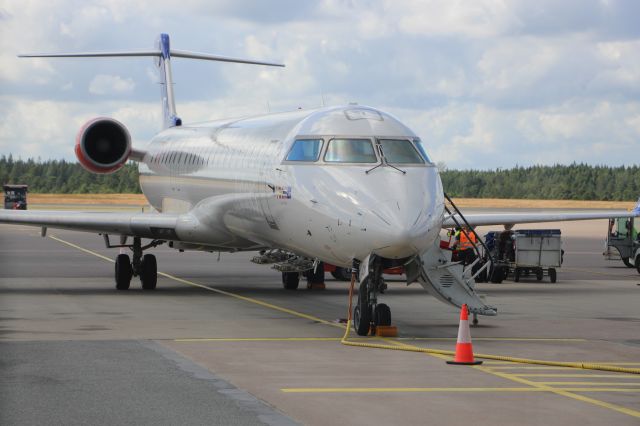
pixel 348 185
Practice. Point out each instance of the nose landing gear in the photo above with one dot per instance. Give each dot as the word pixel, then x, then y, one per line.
pixel 368 313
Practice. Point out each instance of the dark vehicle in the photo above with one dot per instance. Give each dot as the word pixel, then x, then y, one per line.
pixel 623 242
pixel 15 197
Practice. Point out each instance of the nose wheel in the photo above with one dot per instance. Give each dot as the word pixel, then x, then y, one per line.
pixel 368 313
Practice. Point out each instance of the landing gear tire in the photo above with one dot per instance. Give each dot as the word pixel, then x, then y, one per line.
pixel 539 274
pixel 626 261
pixel 290 280
pixel 552 275
pixel 123 272
pixel 361 320
pixel 497 275
pixel 341 274
pixel 315 276
pixel 149 272
pixel 382 315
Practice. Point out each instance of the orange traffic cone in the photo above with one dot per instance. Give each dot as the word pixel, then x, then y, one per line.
pixel 464 348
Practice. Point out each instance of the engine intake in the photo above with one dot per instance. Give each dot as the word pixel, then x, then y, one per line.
pixel 103 145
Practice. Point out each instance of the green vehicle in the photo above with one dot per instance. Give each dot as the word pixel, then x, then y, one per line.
pixel 623 237
pixel 15 197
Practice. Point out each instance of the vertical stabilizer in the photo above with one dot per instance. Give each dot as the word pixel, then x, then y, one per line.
pixel 170 118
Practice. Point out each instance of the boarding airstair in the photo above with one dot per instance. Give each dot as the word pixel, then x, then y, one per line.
pixel 449 281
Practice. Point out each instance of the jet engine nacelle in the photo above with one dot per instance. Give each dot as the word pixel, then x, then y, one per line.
pixel 103 145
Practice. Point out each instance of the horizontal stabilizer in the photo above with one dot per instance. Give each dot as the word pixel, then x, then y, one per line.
pixel 150 53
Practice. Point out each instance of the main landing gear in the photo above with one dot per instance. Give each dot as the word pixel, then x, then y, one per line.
pixel 368 313
pixel 145 267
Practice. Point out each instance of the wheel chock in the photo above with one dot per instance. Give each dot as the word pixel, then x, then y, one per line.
pixel 386 331
pixel 316 286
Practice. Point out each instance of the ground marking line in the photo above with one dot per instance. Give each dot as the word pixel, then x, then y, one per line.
pixel 592 383
pixel 619 375
pixel 213 289
pixel 564 392
pixel 408 390
pixel 471 390
pixel 567 392
pixel 259 339
pixel 507 339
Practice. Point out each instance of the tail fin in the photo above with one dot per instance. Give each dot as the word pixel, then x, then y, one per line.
pixel 163 53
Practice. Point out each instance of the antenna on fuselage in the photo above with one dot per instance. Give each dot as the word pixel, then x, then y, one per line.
pixel 163 53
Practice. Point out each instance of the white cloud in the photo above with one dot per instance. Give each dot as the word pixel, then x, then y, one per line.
pixel 103 84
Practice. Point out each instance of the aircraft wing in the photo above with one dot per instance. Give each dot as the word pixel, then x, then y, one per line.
pixel 145 225
pixel 480 219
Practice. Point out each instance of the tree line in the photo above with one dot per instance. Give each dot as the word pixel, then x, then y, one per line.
pixel 64 177
pixel 572 182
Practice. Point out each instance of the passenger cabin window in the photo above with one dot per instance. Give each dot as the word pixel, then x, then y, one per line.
pixel 350 151
pixel 423 151
pixel 305 150
pixel 400 151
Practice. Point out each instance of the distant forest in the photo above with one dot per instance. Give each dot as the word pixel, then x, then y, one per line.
pixel 574 182
pixel 63 177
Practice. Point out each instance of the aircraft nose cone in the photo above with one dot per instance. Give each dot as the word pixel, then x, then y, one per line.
pixel 411 229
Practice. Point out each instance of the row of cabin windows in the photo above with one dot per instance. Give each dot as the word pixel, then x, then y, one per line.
pixel 356 150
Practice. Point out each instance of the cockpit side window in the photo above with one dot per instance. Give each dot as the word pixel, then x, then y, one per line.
pixel 305 150
pixel 400 151
pixel 350 151
pixel 423 151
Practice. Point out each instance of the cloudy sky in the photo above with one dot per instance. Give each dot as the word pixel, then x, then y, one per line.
pixel 486 83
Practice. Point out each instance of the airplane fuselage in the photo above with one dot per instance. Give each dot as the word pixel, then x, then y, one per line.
pixel 238 178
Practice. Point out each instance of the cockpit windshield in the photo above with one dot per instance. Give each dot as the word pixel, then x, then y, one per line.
pixel 420 147
pixel 350 151
pixel 400 151
pixel 305 150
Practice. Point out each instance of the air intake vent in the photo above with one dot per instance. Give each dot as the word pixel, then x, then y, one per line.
pixel 446 280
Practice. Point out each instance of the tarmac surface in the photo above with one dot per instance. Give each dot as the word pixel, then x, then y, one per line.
pixel 220 342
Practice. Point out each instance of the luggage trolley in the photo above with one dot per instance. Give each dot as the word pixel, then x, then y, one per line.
pixel 527 251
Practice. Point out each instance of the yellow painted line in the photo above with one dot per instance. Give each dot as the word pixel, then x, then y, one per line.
pixel 81 248
pixel 515 367
pixel 213 289
pixel 498 339
pixel 403 390
pixel 258 339
pixel 461 390
pixel 252 300
pixel 593 383
pixel 261 339
pixel 620 375
pixel 569 392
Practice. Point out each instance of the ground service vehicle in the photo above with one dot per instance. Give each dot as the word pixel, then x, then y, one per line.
pixel 15 197
pixel 623 241
pixel 526 251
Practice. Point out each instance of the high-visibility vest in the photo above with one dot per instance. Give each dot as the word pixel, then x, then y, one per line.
pixel 467 243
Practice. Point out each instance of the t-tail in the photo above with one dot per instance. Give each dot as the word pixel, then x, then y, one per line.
pixel 163 53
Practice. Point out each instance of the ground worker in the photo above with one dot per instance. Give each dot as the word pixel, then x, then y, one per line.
pixel 465 243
